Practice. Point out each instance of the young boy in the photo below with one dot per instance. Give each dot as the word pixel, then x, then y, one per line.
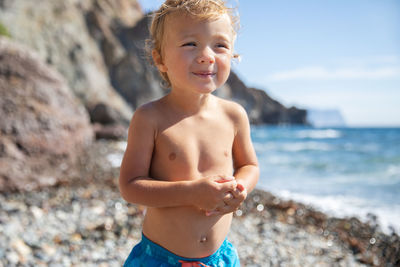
pixel 189 157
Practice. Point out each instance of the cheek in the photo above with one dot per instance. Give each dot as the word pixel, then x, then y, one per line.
pixel 177 60
pixel 224 62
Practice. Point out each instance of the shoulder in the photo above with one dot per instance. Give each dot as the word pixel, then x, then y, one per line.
pixel 150 110
pixel 233 110
pixel 147 115
pixel 235 113
pixel 145 110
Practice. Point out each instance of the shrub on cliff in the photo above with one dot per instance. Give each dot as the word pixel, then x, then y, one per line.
pixel 4 31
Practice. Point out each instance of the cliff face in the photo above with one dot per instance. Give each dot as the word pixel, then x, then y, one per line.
pixel 63 36
pixel 97 45
pixel 260 108
pixel 43 128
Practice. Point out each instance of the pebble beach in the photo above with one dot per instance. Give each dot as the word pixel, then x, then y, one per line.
pixel 85 222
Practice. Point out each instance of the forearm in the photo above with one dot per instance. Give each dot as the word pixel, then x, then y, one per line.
pixel 155 193
pixel 247 176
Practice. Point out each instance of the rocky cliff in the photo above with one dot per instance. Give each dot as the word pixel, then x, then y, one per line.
pixel 64 36
pixel 43 127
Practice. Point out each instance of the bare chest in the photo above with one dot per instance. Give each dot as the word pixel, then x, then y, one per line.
pixel 188 150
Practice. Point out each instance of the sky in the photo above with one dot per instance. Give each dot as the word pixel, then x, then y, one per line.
pixel 313 54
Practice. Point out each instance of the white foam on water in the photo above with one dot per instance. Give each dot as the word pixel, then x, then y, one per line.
pixel 302 146
pixel 388 217
pixel 319 134
pixel 293 146
pixel 393 171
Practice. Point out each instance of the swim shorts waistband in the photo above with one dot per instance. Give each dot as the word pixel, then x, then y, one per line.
pixel 147 252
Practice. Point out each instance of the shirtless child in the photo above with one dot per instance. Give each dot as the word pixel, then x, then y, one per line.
pixel 189 157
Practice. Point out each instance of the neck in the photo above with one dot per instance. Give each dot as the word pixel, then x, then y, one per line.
pixel 189 103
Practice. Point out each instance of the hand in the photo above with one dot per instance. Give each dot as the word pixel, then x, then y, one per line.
pixel 210 192
pixel 232 201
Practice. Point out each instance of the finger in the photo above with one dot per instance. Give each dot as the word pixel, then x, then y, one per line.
pixel 236 202
pixel 240 191
pixel 228 186
pixel 244 193
pixel 236 192
pixel 242 196
pixel 240 187
pixel 212 212
pixel 227 209
pixel 228 197
pixel 225 179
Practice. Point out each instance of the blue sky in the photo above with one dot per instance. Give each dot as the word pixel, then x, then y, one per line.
pixel 332 54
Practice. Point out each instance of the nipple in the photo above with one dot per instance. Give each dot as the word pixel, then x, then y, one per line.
pixel 203 239
pixel 172 156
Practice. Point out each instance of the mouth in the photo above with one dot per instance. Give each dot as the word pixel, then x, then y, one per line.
pixel 204 74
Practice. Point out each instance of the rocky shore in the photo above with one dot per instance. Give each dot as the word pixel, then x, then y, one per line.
pixel 83 221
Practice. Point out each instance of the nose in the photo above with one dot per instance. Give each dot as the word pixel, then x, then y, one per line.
pixel 206 55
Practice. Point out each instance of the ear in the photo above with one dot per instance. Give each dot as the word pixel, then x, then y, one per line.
pixel 158 61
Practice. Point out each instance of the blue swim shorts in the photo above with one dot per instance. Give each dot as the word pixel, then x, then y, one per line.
pixel 149 254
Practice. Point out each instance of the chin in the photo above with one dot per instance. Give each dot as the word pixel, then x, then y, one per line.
pixel 206 90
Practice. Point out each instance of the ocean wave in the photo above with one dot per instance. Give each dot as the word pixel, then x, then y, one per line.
pixel 278 159
pixel 393 171
pixel 388 216
pixel 319 134
pixel 362 147
pixel 292 147
pixel 303 146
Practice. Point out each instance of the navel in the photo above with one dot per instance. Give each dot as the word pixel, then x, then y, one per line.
pixel 172 156
pixel 203 239
pixel 226 154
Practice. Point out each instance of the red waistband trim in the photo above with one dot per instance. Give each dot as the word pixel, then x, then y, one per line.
pixel 193 264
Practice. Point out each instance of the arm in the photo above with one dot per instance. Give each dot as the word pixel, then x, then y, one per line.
pixel 245 159
pixel 246 170
pixel 137 187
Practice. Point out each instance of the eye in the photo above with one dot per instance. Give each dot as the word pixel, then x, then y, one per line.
pixel 189 44
pixel 222 45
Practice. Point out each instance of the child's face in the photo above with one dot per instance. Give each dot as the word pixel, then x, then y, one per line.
pixel 196 55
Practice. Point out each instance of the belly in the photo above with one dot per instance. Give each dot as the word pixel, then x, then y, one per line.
pixel 186 231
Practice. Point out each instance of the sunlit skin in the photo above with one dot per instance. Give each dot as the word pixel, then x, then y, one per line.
pixel 189 157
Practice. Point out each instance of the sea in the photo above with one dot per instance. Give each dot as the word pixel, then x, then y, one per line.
pixel 344 172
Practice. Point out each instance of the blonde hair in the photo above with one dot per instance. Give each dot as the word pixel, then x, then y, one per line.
pixel 200 9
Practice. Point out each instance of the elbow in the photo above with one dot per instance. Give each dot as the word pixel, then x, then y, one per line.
pixel 256 173
pixel 257 170
pixel 126 189
pixel 123 189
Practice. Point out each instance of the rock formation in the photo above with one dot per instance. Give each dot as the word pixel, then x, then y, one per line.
pixel 43 127
pixel 260 108
pixel 58 32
